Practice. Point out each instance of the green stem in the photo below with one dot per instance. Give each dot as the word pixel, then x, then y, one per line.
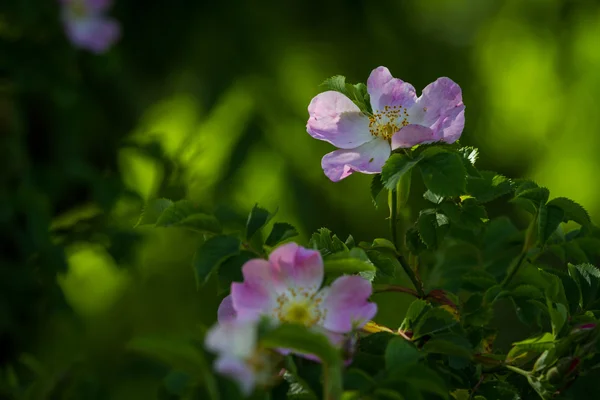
pixel 517 370
pixel 383 288
pixel 393 202
pixel 411 274
pixel 332 379
pixel 515 269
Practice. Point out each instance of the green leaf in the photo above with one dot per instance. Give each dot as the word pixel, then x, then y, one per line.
pixel 415 311
pixel 348 262
pixel 432 197
pixel 326 243
pixel 305 341
pixel 395 167
pixel 257 218
pixel 386 264
pixel 443 173
pixel 537 195
pixel 558 316
pixel 434 320
pixel 413 241
pixel 357 93
pixel 538 343
pixel 185 214
pixel 422 378
pixel 152 211
pixel 587 277
pixel 467 215
pixel 494 293
pixel 336 83
pixel 355 379
pixel 230 269
pixel 469 156
pixel 527 291
pixel 400 352
pixel 529 311
pixel 376 188
pixel 572 210
pixel 375 343
pixel 178 354
pixel 212 253
pixel 200 223
pixel 489 187
pixel 549 219
pixel 281 231
pixel 449 344
pixel 432 228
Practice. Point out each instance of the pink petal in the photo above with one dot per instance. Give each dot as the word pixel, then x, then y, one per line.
pixel 94 33
pixel 235 338
pixel 385 90
pixel 453 125
pixel 237 370
pixel 334 118
pixel 440 108
pixel 368 159
pixel 412 135
pixel 255 296
pixel 296 266
pixel 226 312
pixel 346 304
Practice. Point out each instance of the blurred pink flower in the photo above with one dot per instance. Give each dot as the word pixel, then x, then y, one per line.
pixel 287 288
pixel 86 25
pixel 239 356
pixel 400 119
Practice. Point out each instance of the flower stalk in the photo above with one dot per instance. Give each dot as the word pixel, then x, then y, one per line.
pixel 393 203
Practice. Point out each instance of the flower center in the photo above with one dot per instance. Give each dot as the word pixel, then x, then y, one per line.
pixel 385 123
pixel 299 307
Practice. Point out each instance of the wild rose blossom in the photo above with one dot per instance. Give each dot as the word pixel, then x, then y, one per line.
pixel 286 288
pixel 86 25
pixel 400 119
pixel 239 356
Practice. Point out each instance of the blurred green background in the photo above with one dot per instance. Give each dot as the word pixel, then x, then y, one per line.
pixel 208 101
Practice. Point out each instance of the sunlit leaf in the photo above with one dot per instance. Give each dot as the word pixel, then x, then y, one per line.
pixel 572 210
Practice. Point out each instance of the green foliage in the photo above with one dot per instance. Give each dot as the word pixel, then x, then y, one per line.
pixel 181 355
pixel 281 231
pixel 212 253
pixel 572 210
pixel 305 341
pixel 349 262
pixel 477 280
pixel 443 172
pixel 257 219
pixel 180 214
pixel 488 186
pixel 395 168
pixel 326 242
pixel 357 93
pixel 376 188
